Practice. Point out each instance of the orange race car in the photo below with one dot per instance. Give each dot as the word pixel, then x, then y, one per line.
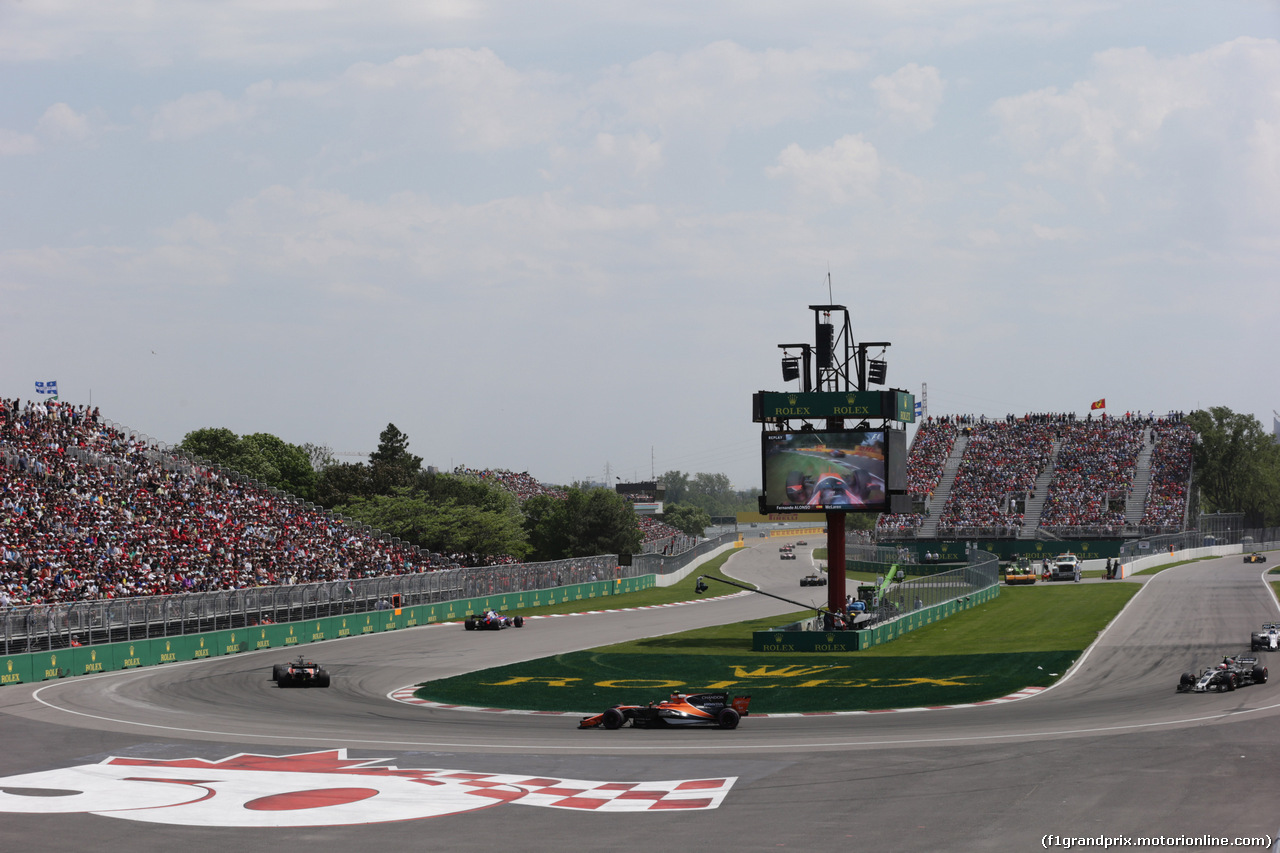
pixel 682 709
pixel 300 673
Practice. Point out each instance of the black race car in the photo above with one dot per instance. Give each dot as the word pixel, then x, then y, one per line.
pixel 300 673
pixel 1255 558
pixel 682 709
pixel 492 621
pixel 1233 672
pixel 813 580
pixel 1267 639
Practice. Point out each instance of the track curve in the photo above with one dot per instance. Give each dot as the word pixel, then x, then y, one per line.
pixel 1110 743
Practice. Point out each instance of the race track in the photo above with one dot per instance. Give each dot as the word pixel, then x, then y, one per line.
pixel 1111 750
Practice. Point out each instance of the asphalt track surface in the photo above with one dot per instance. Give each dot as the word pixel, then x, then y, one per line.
pixel 1111 750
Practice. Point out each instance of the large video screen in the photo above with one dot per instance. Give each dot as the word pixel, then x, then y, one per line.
pixel 825 471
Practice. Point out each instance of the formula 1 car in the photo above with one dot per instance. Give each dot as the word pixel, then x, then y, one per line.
pixel 300 673
pixel 813 580
pixel 1255 558
pixel 786 555
pixel 852 488
pixel 682 709
pixel 1268 638
pixel 1233 672
pixel 492 621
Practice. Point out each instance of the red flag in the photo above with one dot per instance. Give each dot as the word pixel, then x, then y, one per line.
pixel 1099 404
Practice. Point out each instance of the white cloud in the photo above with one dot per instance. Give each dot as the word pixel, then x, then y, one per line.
pixel 483 103
pixel 1107 123
pixel 197 114
pixel 847 169
pixel 13 143
pixel 910 95
pixel 62 123
pixel 634 153
pixel 724 86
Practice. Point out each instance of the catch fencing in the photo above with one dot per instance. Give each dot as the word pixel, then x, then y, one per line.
pixel 38 628
pixel 1259 539
pixel 926 587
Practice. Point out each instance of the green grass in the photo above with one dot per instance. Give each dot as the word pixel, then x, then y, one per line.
pixel 682 591
pixel 1024 637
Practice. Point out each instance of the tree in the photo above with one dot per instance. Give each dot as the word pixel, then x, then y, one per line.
pixel 1237 465
pixel 288 465
pixel 392 465
pixel 689 520
pixel 260 456
pixel 448 526
pixel 584 524
pixel 216 444
pixel 676 484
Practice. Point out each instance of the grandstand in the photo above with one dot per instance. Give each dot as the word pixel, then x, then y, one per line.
pixel 1046 476
pixel 91 510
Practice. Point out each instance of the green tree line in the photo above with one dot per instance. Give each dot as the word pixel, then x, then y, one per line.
pixel 1237 466
pixel 444 513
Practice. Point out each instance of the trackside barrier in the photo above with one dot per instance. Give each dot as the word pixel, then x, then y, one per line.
pixel 852 641
pixel 110 657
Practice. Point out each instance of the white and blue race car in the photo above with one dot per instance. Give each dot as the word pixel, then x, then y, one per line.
pixel 1268 639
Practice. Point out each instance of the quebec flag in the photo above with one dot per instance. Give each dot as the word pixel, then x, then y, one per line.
pixel 47 388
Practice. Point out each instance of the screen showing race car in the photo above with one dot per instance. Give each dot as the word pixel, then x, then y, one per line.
pixel 825 471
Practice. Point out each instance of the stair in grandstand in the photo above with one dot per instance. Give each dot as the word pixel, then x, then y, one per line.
pixel 1039 494
pixel 1137 501
pixel 929 527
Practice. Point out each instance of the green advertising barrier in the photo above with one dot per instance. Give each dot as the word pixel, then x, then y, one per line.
pixel 779 640
pixel 108 657
pixel 15 669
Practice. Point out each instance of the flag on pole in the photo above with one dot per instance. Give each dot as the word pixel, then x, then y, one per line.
pixel 50 388
pixel 1099 404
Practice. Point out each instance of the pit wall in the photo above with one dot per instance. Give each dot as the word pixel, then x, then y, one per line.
pixel 783 641
pixel 108 657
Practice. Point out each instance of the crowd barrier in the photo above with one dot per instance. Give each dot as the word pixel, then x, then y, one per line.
pixel 108 657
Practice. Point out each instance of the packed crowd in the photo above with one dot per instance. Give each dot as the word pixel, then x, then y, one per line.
pixel 86 513
pixel 662 537
pixel 929 451
pixel 522 485
pixel 1002 460
pixel 1093 473
pixel 1170 471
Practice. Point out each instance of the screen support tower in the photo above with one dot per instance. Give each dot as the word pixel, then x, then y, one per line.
pixel 839 365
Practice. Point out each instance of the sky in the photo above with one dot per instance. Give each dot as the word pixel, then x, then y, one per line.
pixel 567 237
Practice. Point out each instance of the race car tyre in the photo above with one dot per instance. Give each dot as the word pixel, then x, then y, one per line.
pixel 1231 682
pixel 285 680
pixel 518 621
pixel 469 624
pixel 1187 679
pixel 727 718
pixel 858 484
pixel 280 670
pixel 797 489
pixel 1259 674
pixel 612 719
pixel 322 679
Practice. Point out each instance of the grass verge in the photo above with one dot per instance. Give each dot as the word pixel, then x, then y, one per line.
pixel 1025 637
pixel 682 591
